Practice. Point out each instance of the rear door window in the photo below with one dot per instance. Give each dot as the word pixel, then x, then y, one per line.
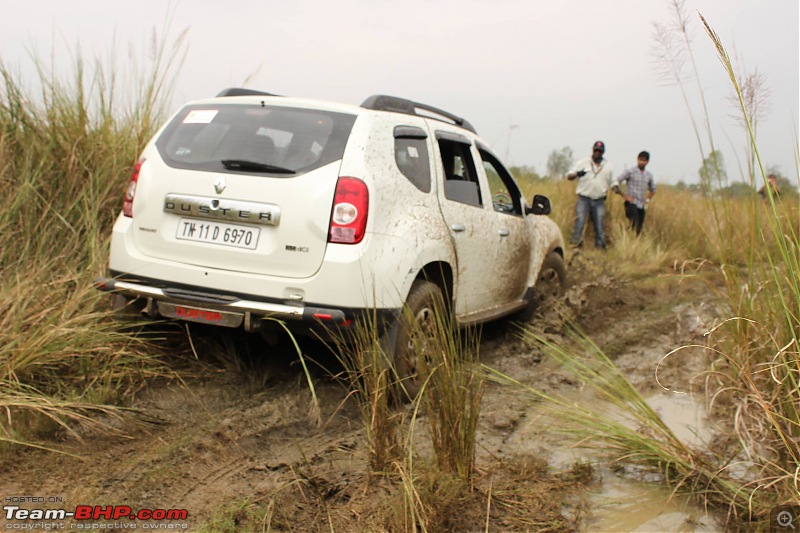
pixel 460 177
pixel 281 141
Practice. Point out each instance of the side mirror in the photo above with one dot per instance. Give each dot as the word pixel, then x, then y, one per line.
pixel 541 206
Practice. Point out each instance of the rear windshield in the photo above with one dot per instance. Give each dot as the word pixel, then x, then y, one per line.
pixel 280 141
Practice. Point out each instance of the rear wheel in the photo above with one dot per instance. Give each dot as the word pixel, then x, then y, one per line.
pixel 416 342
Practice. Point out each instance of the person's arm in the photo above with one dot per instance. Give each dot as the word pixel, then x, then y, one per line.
pixel 651 188
pixel 624 177
pixel 576 174
pixel 577 171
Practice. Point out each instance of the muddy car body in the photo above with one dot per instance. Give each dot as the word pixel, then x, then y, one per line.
pixel 250 206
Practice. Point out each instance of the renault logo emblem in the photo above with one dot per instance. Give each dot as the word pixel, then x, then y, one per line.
pixel 220 185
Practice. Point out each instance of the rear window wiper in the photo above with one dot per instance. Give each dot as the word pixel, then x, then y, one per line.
pixel 254 166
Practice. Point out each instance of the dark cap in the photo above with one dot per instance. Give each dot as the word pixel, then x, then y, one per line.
pixel 599 146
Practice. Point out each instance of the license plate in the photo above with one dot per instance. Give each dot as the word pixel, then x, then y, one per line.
pixel 220 233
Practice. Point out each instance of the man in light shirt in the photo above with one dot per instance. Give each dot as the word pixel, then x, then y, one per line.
pixel 595 176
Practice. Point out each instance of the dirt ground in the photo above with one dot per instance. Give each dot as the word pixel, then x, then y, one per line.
pixel 232 437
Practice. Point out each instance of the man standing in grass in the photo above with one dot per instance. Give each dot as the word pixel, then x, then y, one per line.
pixel 639 189
pixel 772 183
pixel 594 177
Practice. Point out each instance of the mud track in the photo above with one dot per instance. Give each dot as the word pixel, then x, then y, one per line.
pixel 234 439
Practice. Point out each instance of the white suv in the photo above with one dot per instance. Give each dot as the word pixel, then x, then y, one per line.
pixel 251 205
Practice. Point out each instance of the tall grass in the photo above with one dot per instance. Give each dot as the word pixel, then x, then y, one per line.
pixel 762 354
pixel 442 417
pixel 65 154
pixel 680 225
pixel 754 382
pixel 452 396
pixel 368 375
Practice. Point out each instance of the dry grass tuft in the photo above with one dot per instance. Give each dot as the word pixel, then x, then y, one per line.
pixel 65 157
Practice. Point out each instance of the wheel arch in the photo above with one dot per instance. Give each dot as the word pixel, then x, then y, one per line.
pixel 441 274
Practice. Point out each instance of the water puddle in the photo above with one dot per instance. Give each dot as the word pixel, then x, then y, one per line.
pixel 685 416
pixel 624 504
pixel 626 498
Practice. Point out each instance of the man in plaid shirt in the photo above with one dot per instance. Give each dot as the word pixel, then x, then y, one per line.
pixel 639 189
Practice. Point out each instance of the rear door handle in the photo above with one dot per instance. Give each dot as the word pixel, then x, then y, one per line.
pixel 458 227
pixel 504 232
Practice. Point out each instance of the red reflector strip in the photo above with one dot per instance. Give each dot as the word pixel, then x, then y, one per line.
pixel 323 316
pixel 210 316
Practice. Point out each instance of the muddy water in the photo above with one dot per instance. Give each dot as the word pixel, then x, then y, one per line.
pixel 642 330
pixel 684 415
pixel 634 501
pixel 624 498
pixel 628 505
pixel 621 498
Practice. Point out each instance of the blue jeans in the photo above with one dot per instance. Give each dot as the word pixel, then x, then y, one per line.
pixel 584 208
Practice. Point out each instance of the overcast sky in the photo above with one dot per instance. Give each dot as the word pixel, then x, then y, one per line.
pixel 532 76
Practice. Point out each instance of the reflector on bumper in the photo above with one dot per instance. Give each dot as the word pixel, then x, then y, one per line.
pixel 204 316
pixel 222 310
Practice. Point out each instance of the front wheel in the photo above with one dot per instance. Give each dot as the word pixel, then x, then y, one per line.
pixel 423 318
pixel 552 278
pixel 550 284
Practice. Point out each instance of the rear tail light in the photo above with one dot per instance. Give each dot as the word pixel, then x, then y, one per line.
pixel 130 192
pixel 349 213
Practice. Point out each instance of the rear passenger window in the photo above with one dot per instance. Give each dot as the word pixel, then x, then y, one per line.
pixel 411 156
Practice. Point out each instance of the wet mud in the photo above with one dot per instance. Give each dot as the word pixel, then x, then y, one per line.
pixel 224 432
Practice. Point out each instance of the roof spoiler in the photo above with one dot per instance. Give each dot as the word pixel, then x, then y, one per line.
pixel 241 91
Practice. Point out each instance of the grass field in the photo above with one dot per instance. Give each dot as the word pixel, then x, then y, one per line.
pixel 66 152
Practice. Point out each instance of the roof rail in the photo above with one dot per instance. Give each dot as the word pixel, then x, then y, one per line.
pixel 382 102
pixel 241 91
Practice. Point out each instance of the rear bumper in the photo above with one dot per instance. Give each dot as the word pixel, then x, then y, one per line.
pixel 194 305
